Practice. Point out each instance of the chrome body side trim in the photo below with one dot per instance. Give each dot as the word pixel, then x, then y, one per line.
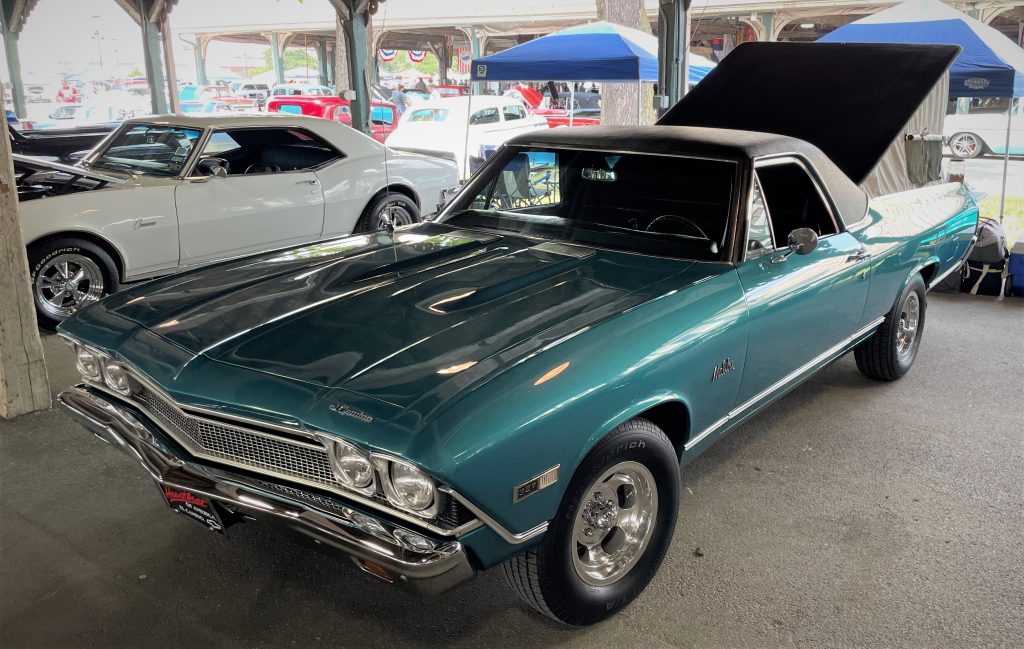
pixel 509 537
pixel 779 387
pixel 434 567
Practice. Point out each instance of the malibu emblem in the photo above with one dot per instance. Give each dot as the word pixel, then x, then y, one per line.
pixel 721 369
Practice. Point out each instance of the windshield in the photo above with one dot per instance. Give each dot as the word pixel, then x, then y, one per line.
pixel 155 150
pixel 428 115
pixel 651 204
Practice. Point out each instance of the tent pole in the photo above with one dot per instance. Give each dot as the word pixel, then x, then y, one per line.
pixel 639 101
pixel 1006 157
pixel 572 100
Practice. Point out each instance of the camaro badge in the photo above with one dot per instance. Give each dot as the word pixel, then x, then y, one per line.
pixel 342 409
pixel 721 369
pixel 535 484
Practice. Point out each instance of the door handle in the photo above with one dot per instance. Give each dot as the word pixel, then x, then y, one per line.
pixel 860 255
pixel 312 181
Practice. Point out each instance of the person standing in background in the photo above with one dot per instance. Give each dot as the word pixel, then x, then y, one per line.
pixel 400 99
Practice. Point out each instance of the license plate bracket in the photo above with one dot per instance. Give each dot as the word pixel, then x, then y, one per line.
pixel 194 506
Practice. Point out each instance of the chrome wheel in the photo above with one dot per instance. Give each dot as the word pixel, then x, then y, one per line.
pixel 965 145
pixel 67 283
pixel 614 522
pixel 397 213
pixel 906 330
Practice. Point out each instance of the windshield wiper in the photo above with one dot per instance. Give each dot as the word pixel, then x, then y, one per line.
pixel 119 166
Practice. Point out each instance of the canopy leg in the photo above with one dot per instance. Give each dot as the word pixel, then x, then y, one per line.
pixel 1006 157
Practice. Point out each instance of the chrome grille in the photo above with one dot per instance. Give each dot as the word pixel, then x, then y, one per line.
pixel 306 461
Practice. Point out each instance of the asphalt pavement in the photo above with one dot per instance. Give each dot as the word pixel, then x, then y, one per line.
pixel 849 514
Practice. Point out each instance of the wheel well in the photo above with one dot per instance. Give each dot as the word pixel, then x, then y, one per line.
pixel 928 273
pixel 397 189
pixel 91 238
pixel 673 418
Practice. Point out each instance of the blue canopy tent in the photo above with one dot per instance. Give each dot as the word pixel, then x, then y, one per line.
pixel 600 51
pixel 990 65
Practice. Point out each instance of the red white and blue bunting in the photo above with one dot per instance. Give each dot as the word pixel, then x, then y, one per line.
pixel 417 56
pixel 387 55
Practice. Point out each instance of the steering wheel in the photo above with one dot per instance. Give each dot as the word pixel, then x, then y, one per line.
pixel 675 224
pixel 259 168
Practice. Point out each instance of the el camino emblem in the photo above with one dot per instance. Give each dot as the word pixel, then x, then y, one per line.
pixel 721 369
pixel 342 409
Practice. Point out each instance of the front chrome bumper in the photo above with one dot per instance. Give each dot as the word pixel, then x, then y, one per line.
pixel 361 537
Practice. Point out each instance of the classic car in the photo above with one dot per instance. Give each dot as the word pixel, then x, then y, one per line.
pixel 300 90
pixel 517 383
pixel 467 128
pixel 165 193
pixel 257 91
pixel 66 144
pixel 984 131
pixel 450 90
pixel 332 107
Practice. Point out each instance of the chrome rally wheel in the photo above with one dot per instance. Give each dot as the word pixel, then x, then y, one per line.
pixel 611 531
pixel 906 330
pixel 66 283
pixel 614 522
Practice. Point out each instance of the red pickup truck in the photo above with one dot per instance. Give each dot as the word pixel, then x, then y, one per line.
pixel 383 115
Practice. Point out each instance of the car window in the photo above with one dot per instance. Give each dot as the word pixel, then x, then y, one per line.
pixel 382 116
pixel 514 112
pixel 428 115
pixel 793 201
pixel 659 205
pixel 149 149
pixel 759 229
pixel 529 180
pixel 485 116
pixel 247 151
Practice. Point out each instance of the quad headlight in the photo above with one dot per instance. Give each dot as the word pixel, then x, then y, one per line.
pixel 351 466
pixel 88 363
pixel 413 488
pixel 116 378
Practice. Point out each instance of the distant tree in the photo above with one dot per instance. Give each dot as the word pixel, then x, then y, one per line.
pixel 619 100
pixel 135 73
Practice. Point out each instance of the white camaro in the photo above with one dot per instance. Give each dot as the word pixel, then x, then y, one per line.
pixel 164 193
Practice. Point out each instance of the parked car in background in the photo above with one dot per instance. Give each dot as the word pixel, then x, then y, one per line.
pixel 979 133
pixel 334 108
pixel 65 111
pixel 209 106
pixel 466 129
pixel 450 90
pixel 256 91
pixel 578 117
pixel 303 89
pixel 169 192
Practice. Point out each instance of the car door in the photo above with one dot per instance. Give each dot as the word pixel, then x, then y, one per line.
pixel 270 197
pixel 800 306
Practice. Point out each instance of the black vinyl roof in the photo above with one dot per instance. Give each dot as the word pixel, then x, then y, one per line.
pixel 728 144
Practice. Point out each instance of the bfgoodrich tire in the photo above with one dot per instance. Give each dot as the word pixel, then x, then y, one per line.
pixel 611 531
pixel 67 275
pixel 890 352
pixel 401 208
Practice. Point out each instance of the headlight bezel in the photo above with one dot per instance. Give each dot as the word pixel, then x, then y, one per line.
pixel 384 464
pixel 96 357
pixel 337 450
pixel 112 371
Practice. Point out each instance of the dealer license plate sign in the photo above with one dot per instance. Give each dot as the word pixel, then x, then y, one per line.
pixel 198 508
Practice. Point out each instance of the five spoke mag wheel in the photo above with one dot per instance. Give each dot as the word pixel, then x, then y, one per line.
pixel 966 145
pixel 611 532
pixel 68 274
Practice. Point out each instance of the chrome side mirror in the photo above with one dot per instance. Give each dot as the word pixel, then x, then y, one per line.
pixel 213 167
pixel 803 240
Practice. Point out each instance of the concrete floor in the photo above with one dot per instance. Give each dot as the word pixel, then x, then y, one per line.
pixel 852 513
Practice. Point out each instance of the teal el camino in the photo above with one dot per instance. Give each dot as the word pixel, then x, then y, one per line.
pixel 518 383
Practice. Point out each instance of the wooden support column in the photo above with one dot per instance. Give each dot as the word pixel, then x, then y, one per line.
pixel 24 386
pixel 172 73
pixel 13 19
pixel 355 41
pixel 154 61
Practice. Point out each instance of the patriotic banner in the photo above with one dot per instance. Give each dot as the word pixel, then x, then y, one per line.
pixel 387 55
pixel 417 56
pixel 463 59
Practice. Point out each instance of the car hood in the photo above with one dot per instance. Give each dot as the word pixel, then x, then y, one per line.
pixel 433 315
